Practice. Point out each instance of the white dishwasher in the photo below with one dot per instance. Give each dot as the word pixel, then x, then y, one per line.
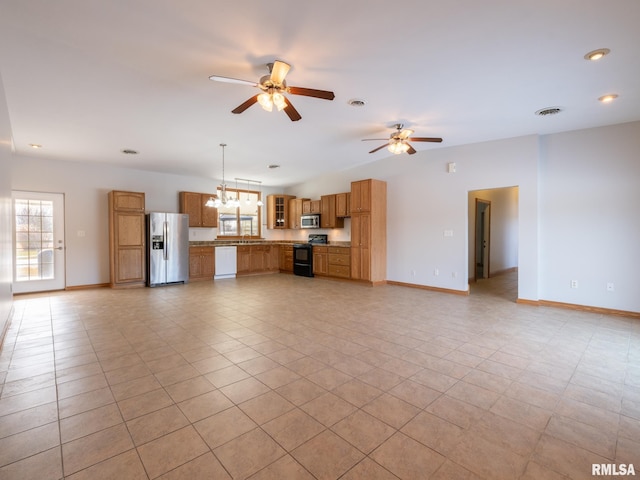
pixel 226 263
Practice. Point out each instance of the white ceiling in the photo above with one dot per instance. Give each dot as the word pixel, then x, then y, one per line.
pixel 89 78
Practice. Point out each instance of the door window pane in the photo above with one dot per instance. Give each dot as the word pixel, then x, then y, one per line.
pixel 34 240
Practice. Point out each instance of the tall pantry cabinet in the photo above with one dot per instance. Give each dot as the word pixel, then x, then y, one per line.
pixel 369 231
pixel 127 239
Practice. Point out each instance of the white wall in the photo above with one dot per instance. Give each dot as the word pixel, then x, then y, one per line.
pixel 6 255
pixel 589 217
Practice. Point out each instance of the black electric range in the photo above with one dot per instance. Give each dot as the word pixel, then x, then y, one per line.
pixel 303 254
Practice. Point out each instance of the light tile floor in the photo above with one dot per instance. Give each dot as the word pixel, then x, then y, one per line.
pixel 284 377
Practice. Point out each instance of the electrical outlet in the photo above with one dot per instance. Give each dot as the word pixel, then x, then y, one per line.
pixel 610 287
pixel 413 273
pixel 454 274
pixel 436 272
pixel 574 283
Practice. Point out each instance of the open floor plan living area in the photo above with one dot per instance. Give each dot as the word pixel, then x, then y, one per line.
pixel 286 377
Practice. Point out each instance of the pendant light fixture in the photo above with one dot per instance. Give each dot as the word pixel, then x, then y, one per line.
pixel 222 200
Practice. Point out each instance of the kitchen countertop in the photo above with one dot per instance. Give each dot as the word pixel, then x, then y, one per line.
pixel 223 243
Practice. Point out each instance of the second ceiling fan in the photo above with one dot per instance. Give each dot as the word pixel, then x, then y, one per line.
pixel 273 88
pixel 399 140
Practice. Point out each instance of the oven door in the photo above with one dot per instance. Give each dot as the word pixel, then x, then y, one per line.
pixel 303 260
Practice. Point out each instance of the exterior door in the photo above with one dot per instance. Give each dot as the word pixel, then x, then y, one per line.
pixel 38 242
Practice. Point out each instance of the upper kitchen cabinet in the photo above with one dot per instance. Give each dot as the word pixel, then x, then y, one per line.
pixel 328 216
pixel 200 215
pixel 343 204
pixel 361 196
pixel 295 212
pixel 278 211
pixel 369 231
pixel 127 239
pixel 311 206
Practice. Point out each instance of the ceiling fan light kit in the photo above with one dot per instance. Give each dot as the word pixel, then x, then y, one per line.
pixel 273 88
pixel 399 141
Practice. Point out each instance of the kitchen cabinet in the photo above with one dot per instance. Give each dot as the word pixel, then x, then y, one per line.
pixel 311 206
pixel 256 259
pixel 369 231
pixel 295 212
pixel 201 263
pixel 286 258
pixel 343 202
pixel 328 218
pixel 243 259
pixel 339 262
pixel 278 211
pixel 127 254
pixel 200 215
pixel 320 260
pixel 361 196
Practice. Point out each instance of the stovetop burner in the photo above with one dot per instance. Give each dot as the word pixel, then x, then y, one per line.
pixel 318 238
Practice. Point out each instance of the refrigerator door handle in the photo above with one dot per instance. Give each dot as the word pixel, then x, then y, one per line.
pixel 165 232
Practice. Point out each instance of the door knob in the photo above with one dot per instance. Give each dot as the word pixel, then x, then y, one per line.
pixel 59 248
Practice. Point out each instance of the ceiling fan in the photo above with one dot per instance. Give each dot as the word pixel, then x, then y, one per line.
pixel 399 141
pixel 273 88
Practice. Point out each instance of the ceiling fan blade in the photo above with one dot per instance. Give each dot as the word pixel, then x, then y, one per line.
pixel 279 71
pixel 425 139
pixel 241 108
pixel 376 139
pixel 310 92
pixel 218 78
pixel 379 148
pixel 411 150
pixel 291 111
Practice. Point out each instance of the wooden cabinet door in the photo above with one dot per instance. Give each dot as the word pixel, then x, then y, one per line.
pixel 195 263
pixel 243 259
pixel 342 204
pixel 328 218
pixel 295 210
pixel 361 196
pixel 190 204
pixel 320 261
pixel 361 246
pixel 130 201
pixel 209 215
pixel 208 262
pixel 129 247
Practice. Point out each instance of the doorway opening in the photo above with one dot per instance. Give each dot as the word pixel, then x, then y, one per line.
pixel 38 242
pixel 482 243
pixel 493 241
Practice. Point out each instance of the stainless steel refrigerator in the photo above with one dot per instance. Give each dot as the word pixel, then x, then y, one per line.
pixel 167 248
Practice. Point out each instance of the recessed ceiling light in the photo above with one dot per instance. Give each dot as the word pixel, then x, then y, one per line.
pixel 597 54
pixel 274 166
pixel 35 145
pixel 129 151
pixel 356 102
pixel 548 111
pixel 608 98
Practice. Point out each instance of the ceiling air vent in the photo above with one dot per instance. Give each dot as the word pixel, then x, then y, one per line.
pixel 548 111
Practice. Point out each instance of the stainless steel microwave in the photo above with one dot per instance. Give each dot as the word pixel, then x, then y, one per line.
pixel 311 220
